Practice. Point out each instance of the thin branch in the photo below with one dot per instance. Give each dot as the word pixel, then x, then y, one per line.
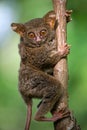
pixel 61 69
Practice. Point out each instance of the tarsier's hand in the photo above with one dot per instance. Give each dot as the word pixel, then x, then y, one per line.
pixel 68 15
pixel 64 50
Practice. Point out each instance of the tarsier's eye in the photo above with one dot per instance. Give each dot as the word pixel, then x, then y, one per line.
pixel 43 32
pixel 31 35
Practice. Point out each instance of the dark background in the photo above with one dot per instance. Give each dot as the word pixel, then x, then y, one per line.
pixel 12 107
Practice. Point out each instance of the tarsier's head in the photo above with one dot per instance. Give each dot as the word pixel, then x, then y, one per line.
pixel 37 31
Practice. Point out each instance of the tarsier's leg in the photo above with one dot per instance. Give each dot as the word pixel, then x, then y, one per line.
pixel 41 85
pixel 51 91
pixel 45 106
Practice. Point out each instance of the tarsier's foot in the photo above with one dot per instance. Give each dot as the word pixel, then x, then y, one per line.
pixel 64 49
pixel 61 114
pixel 56 116
pixel 68 15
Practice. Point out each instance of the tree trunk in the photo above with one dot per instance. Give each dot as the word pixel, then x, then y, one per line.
pixel 61 68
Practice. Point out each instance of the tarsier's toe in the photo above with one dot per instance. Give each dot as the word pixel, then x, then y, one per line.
pixel 61 114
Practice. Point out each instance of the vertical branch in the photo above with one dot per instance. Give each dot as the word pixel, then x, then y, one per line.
pixel 61 68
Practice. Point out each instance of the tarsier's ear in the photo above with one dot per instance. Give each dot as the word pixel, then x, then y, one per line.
pixel 50 19
pixel 18 28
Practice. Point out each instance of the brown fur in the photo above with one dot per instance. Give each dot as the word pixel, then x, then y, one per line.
pixel 37 62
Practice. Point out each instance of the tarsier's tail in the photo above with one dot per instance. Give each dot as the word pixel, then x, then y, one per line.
pixel 29 115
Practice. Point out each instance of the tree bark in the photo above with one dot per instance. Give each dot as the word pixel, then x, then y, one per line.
pixel 61 68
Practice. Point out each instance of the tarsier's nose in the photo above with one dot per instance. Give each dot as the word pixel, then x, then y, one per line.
pixel 38 39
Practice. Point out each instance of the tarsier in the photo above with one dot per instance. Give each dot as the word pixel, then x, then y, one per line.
pixel 39 55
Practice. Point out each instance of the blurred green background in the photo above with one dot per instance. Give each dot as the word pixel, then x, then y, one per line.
pixel 12 107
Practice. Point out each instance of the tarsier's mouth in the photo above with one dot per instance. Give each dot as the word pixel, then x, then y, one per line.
pixel 34 45
pixel 37 44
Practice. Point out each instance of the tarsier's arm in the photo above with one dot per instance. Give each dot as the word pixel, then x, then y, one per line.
pixel 40 58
